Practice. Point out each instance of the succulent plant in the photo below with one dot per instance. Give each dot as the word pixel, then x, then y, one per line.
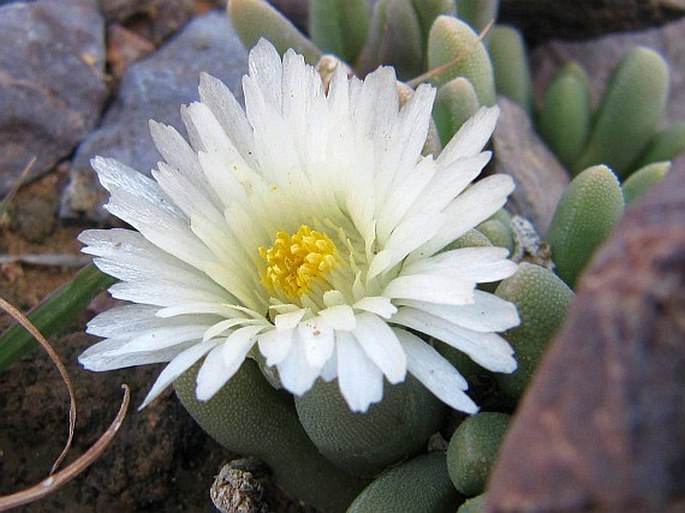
pixel 473 449
pixel 418 486
pixel 590 207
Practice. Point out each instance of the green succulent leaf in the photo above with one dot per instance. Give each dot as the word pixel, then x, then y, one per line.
pixel 395 39
pixel 478 13
pixel 428 10
pixel 340 27
pixel 248 416
pixel 542 300
pixel 473 449
pixel 587 212
pixel 455 50
pixel 473 505
pixel 366 443
pixel 643 179
pixel 666 144
pixel 510 64
pixel 418 486
pixel 498 233
pixel 253 19
pixel 455 102
pixel 629 112
pixel 566 113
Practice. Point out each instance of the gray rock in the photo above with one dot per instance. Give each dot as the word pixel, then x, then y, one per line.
pixel 600 56
pixel 540 178
pixel 52 87
pixel 153 88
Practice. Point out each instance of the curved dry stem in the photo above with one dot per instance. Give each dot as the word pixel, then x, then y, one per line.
pixel 57 480
pixel 26 323
pixel 435 72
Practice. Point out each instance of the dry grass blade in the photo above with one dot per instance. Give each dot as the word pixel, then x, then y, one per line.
pixel 26 323
pixel 435 72
pixel 15 187
pixel 62 477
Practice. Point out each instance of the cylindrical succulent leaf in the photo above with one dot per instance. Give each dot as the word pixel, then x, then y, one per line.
pixel 666 144
pixel 455 50
pixel 498 233
pixel 249 417
pixel 253 19
pixel 395 39
pixel 428 10
pixel 588 210
pixel 472 238
pixel 419 486
pixel 643 179
pixel 366 443
pixel 455 102
pixel 566 113
pixel 510 64
pixel 629 112
pixel 473 505
pixel 340 27
pixel 473 449
pixel 542 300
pixel 478 13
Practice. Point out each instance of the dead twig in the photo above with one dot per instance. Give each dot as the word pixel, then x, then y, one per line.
pixel 28 325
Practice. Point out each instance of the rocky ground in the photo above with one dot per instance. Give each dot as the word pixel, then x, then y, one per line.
pixel 86 84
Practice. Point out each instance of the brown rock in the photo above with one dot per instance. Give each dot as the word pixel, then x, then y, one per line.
pixel 540 178
pixel 123 48
pixel 602 429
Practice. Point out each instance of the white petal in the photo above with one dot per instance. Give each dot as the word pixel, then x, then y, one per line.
pixel 472 136
pixel 161 338
pixel 487 314
pixel 489 350
pixel 228 112
pixel 436 373
pixel 275 345
pixel 433 288
pixel 480 265
pixel 470 208
pixel 126 320
pixel 98 356
pixel 288 321
pixel 237 345
pixel 176 367
pixel 212 375
pixel 296 375
pixel 380 344
pixel 340 317
pixel 318 341
pixel 360 381
pixel 223 326
pixel 329 371
pixel 376 304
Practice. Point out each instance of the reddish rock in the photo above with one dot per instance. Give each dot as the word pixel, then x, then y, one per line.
pixel 602 428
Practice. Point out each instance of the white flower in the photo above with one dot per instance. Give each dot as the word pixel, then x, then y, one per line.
pixel 308 228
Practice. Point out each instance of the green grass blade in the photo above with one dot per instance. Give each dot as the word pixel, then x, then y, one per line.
pixel 54 313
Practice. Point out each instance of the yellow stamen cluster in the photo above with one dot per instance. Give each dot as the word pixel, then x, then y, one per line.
pixel 295 262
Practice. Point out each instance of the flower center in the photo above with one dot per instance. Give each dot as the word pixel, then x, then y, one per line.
pixel 295 263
